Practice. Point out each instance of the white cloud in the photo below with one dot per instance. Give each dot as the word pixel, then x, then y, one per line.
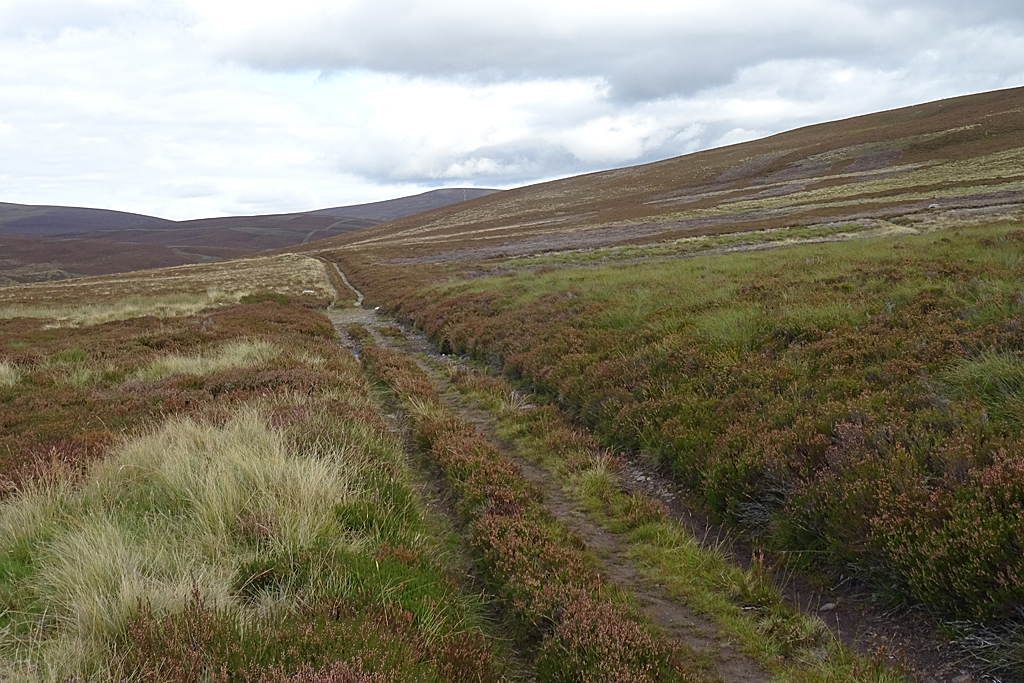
pixel 201 107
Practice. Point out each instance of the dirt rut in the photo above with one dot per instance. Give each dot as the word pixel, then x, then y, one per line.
pixel 681 624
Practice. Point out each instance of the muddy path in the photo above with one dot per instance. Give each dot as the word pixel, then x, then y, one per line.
pixel 904 637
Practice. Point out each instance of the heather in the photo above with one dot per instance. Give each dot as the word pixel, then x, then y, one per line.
pixel 746 604
pixel 578 626
pixel 855 405
pixel 217 498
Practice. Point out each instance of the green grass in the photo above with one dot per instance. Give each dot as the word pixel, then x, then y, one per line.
pixel 996 379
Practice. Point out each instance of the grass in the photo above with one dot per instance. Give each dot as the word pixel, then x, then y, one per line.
pixel 168 292
pixel 217 497
pixel 201 509
pixel 234 354
pixel 10 374
pixel 996 378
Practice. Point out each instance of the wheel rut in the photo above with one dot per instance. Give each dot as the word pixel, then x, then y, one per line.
pixel 681 624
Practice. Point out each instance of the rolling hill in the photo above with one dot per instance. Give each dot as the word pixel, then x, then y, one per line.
pixel 50 242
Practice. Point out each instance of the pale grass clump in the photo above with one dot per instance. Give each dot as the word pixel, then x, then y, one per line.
pixel 237 354
pixel 157 519
pixel 10 374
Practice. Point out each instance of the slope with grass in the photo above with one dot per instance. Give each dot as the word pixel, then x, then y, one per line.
pixel 950 158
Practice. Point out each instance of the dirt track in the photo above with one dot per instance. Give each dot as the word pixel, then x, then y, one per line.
pixel 903 638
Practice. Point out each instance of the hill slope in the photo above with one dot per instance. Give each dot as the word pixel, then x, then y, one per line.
pixel 961 153
pixel 818 336
pixel 50 242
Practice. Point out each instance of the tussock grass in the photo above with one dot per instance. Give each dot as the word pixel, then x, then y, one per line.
pixel 252 521
pixel 236 354
pixel 158 519
pixel 10 374
pixel 996 378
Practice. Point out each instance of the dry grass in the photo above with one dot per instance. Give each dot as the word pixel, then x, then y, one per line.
pixel 9 374
pixel 156 520
pixel 236 354
pixel 167 292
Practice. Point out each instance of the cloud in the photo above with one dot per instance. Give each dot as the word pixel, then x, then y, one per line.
pixel 186 108
pixel 644 50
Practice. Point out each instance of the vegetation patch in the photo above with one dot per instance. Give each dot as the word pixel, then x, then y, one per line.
pixel 747 604
pixel 10 374
pixel 582 628
pixel 854 405
pixel 267 531
pixel 168 292
pixel 235 354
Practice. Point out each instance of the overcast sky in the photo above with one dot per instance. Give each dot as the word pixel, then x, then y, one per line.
pixel 190 108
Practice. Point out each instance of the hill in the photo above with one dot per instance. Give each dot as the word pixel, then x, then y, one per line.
pixel 957 155
pixel 48 242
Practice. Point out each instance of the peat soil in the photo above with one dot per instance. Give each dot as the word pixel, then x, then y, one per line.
pixel 906 637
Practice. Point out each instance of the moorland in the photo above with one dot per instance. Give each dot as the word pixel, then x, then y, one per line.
pixel 750 414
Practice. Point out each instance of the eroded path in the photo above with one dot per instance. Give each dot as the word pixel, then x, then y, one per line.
pixel 681 624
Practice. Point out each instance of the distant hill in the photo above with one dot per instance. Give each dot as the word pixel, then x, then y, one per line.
pixel 21 219
pixel 406 206
pixel 52 242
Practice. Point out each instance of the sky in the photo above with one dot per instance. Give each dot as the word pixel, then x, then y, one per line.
pixel 194 108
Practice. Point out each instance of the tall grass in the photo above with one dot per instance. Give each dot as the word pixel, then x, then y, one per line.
pixel 235 354
pixel 159 518
pixel 994 377
pixel 10 374
pixel 256 520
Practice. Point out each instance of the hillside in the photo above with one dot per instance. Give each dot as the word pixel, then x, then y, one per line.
pixel 753 414
pixel 959 155
pixel 46 242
